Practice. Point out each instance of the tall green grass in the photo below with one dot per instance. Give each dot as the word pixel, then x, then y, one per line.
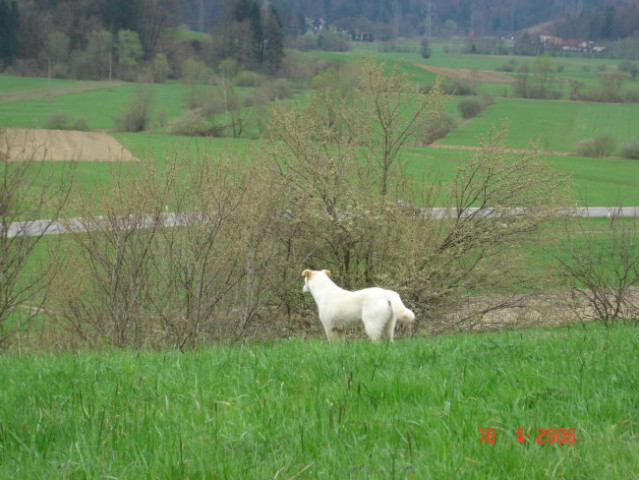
pixel 412 409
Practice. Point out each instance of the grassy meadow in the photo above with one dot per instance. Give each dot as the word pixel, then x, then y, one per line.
pixel 412 409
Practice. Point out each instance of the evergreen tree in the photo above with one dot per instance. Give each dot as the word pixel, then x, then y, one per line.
pixel 8 31
pixel 272 41
pixel 252 36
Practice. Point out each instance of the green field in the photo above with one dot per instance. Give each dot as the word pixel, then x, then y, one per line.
pixel 97 107
pixel 413 409
pixel 554 126
pixel 551 125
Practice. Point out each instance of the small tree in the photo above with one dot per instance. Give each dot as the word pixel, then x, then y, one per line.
pixel 398 112
pixel 129 52
pixel 425 48
pixel 98 57
pixel 611 86
pixel 57 53
pixel 197 76
pixel 137 114
pixel 161 68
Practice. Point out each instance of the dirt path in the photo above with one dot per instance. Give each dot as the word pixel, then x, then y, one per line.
pixel 509 150
pixel 79 87
pixel 462 73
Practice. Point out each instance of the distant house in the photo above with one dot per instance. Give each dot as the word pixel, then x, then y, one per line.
pixel 508 41
pixel 573 45
pixel 317 25
pixel 550 41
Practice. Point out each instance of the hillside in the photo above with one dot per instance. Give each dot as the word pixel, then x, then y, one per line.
pixel 385 19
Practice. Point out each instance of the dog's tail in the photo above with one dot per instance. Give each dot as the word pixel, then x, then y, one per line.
pixel 399 309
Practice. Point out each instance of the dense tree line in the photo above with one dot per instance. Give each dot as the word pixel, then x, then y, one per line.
pixel 88 38
pixel 92 38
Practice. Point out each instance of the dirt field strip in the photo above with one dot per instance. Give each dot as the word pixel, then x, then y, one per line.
pixel 465 74
pixel 79 87
pixel 519 151
pixel 20 144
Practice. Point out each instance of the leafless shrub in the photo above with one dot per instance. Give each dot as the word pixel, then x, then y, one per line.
pixel 30 190
pixel 602 267
pixel 601 146
pixel 103 302
pixel 146 277
pixel 136 116
pixel 210 271
pixel 480 246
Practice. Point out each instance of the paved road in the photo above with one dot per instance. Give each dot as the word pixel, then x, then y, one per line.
pixel 56 227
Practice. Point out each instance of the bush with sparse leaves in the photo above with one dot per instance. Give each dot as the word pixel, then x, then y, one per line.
pixel 601 146
pixel 470 107
pixel 631 150
pixel 193 123
pixel 136 116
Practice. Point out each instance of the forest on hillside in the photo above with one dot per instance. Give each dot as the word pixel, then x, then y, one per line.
pixel 138 39
pixel 387 19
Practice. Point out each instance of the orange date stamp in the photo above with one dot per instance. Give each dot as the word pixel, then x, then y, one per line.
pixel 545 436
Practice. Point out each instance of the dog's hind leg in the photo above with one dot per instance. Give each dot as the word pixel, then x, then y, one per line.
pixel 389 328
pixel 373 331
pixel 375 318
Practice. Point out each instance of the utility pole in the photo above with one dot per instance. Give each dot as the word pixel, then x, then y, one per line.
pixel 429 20
pixel 200 17
pixel 396 14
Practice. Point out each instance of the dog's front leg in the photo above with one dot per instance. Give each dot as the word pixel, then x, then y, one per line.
pixel 334 333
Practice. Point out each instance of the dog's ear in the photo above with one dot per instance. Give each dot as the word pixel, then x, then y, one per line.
pixel 327 272
pixel 307 273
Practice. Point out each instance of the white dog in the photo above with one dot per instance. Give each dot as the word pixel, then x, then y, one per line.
pixel 377 308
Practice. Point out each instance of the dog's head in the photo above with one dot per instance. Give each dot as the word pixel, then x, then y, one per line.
pixel 309 274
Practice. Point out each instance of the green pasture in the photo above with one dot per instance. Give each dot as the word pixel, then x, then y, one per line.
pixel 10 83
pixel 595 181
pixel 97 108
pixel 308 409
pixel 554 126
pixel 551 125
pixel 600 181
pixel 585 69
